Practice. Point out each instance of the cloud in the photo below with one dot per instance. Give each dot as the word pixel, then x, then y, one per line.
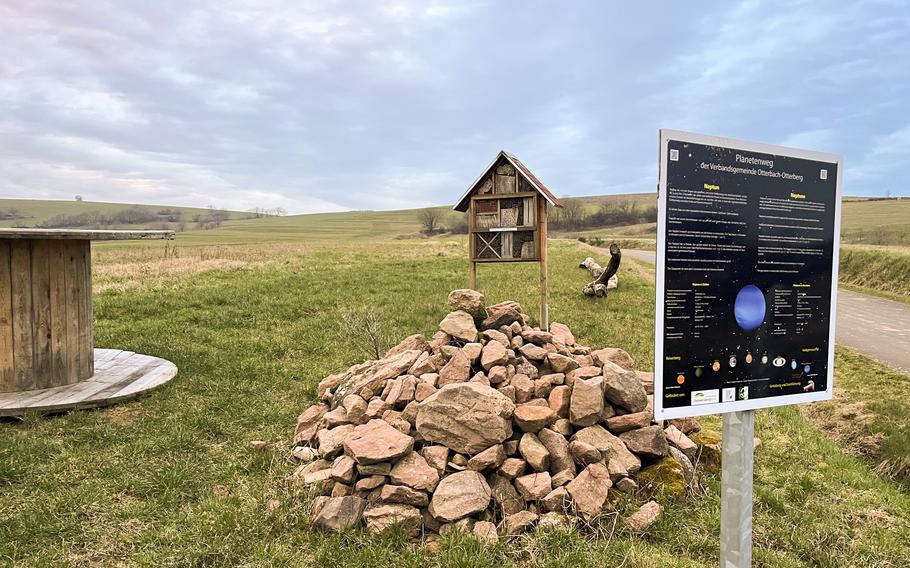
pixel 819 138
pixel 883 164
pixel 317 106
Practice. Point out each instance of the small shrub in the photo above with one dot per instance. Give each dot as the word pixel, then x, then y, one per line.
pixel 365 331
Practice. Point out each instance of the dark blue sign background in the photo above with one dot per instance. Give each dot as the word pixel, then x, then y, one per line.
pixel 747 274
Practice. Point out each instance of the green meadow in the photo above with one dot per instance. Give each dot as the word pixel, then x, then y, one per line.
pixel 252 317
pixel 879 270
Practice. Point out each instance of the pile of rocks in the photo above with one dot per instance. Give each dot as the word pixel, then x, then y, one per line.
pixel 491 426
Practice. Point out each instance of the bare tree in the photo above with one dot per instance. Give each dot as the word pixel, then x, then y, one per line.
pixel 572 214
pixel 217 216
pixel 429 218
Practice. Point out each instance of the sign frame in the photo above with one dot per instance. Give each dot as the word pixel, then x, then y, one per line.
pixel 661 413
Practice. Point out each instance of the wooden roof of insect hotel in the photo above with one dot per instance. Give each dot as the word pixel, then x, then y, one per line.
pixel 501 158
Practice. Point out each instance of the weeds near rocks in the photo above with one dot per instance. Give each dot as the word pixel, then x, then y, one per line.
pixel 365 330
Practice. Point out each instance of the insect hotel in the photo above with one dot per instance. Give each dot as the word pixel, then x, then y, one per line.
pixel 507 219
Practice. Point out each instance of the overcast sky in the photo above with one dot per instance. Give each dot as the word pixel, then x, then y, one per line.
pixel 321 106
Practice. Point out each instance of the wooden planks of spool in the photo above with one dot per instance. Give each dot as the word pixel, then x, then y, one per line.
pixel 507 220
pixel 46 337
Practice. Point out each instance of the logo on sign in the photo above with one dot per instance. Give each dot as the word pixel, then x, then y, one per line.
pixel 705 397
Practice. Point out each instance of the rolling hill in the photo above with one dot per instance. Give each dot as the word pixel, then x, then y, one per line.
pixel 95 214
pixel 865 221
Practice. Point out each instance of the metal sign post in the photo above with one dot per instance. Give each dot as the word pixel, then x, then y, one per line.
pixel 736 490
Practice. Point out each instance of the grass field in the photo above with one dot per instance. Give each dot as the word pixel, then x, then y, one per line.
pixel 357 225
pixel 35 212
pixel 876 222
pixel 172 481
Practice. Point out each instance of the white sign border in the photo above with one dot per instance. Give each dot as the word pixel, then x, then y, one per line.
pixel 661 413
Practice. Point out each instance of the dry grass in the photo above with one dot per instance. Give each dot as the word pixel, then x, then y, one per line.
pixel 865 423
pixel 123 415
pixel 125 276
pixel 116 254
pixel 119 268
pixel 897 467
pixel 846 422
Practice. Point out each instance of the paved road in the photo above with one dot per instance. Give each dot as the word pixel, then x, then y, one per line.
pixel 873 326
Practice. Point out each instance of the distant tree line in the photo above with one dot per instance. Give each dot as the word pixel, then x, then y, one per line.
pixel 11 213
pixel 95 219
pixel 437 220
pixel 212 218
pixel 574 216
pixel 167 218
pixel 170 215
pixel 458 223
pixel 880 235
pixel 260 212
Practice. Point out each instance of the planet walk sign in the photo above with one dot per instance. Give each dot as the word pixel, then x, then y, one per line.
pixel 747 252
pixel 746 275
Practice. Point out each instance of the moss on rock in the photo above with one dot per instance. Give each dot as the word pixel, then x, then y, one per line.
pixel 706 437
pixel 665 478
pixel 709 449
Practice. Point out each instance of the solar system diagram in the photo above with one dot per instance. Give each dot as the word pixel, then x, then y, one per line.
pixel 746 275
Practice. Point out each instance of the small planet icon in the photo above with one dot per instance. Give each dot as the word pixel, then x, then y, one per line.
pixel 697 371
pixel 680 379
pixel 793 364
pixel 732 361
pixel 779 361
pixel 806 368
pixel 748 357
pixel 715 366
pixel 764 359
pixel 749 307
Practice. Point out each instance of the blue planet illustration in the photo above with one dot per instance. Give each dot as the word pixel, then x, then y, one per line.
pixel 749 307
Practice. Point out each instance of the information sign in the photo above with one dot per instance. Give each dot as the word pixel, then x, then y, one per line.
pixel 747 251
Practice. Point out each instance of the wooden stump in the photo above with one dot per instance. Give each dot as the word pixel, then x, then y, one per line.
pixel 45 313
pixel 604 278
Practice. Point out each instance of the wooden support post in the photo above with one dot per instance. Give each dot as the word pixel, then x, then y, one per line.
pixel 472 273
pixel 542 243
